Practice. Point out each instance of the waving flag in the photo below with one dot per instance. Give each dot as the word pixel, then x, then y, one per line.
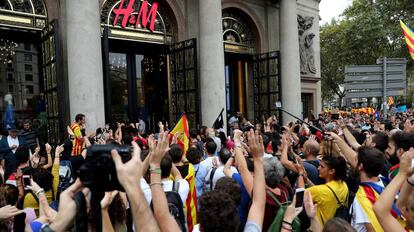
pixel 409 38
pixel 182 128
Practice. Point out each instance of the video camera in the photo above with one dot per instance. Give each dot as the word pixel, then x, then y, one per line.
pixel 98 172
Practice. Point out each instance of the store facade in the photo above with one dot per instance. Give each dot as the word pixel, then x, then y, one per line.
pixel 123 59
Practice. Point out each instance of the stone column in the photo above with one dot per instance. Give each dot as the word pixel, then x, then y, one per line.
pixel 84 61
pixel 290 60
pixel 211 64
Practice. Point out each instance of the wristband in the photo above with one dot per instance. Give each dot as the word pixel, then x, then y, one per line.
pixel 156 183
pixel 40 191
pixel 410 183
pixel 46 228
pixel 155 170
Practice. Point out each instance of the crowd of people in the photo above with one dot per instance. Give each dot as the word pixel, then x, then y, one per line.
pixel 351 173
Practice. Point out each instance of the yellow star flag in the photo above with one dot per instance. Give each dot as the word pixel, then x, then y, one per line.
pixel 183 138
pixel 409 38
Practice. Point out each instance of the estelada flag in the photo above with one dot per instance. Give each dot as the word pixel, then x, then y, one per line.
pixel 184 137
pixel 409 38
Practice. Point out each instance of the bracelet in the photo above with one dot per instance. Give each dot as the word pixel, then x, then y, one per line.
pixel 46 228
pixel 286 227
pixel 156 183
pixel 410 183
pixel 40 191
pixel 155 170
pixel 289 223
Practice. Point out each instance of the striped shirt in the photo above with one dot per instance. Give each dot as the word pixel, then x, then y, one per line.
pixel 30 137
pixel 78 140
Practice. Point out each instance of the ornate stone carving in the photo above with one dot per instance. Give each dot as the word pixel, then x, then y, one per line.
pixel 306 51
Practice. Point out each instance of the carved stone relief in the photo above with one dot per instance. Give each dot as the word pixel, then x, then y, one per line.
pixel 306 51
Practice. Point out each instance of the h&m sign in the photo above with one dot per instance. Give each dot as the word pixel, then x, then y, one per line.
pixel 145 14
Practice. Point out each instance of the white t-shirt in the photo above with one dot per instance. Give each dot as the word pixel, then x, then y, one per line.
pixel 12 142
pixel 217 175
pixel 359 218
pixel 183 189
pixel 208 162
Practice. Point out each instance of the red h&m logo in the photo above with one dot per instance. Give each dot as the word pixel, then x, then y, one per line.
pixel 144 16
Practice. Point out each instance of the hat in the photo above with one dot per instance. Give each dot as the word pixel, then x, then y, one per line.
pixel 11 128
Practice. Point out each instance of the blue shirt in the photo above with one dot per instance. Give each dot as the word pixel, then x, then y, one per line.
pixel 201 172
pixel 242 209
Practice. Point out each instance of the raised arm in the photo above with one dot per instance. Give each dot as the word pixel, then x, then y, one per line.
pixel 284 155
pixel 383 205
pixel 256 212
pixel 105 203
pixel 159 200
pixel 405 192
pixel 247 177
pixel 348 136
pixel 350 155
pixel 129 175
pixel 49 156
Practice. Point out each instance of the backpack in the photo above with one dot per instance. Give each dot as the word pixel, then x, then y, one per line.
pixel 343 210
pixel 176 206
pixel 65 175
pixel 277 222
pixel 210 181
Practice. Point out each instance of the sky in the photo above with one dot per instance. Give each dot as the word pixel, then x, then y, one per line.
pixel 332 8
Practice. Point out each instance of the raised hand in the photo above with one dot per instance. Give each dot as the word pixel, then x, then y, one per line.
pixel 160 150
pixel 107 199
pixel 129 173
pixel 255 144
pixel 8 211
pixel 310 208
pixel 406 163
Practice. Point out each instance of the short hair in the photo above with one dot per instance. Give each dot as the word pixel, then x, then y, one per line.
pixel 274 171
pixel 176 153
pixel 338 163
pixel 211 146
pixel 166 165
pixel 79 117
pixel 225 155
pixel 381 141
pixel 230 186
pixel 213 217
pixel 193 133
pixel 22 154
pixel 337 224
pixel 276 141
pixel 372 160
pixel 402 140
pixel 312 147
pixel 194 155
pixel 43 178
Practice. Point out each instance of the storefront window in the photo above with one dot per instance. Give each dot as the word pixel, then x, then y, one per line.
pixel 140 84
pixel 119 86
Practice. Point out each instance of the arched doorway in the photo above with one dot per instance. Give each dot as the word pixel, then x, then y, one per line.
pixel 29 66
pixel 147 74
pixel 252 77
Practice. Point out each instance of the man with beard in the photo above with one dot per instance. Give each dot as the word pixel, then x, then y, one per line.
pixel 370 161
pixel 399 143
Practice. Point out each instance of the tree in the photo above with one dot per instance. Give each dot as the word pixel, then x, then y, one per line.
pixel 367 30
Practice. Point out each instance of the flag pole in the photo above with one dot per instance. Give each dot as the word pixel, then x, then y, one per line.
pixel 220 114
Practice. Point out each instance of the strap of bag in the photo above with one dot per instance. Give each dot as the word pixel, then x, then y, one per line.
pixel 273 196
pixel 337 199
pixel 211 177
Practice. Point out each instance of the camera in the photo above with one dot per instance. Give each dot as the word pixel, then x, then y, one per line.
pixel 98 172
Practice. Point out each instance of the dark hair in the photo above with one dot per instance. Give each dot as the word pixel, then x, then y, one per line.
pixel 250 164
pixel 388 126
pixel 11 193
pixel 218 212
pixel 338 163
pixel 225 155
pixel 222 138
pixel 266 139
pixel 402 140
pixel 22 154
pixel 337 224
pixel 194 155
pixel 230 186
pixel 211 146
pixel 67 150
pixel 176 153
pixel 193 134
pixel 381 141
pixel 79 117
pixel 117 210
pixel 276 142
pixel 166 165
pixel 43 178
pixel 372 160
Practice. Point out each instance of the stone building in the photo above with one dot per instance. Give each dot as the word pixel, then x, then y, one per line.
pixel 124 59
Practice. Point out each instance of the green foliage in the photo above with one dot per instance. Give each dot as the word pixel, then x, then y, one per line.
pixel 367 30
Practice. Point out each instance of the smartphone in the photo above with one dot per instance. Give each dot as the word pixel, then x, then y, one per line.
pixel 26 181
pixel 299 197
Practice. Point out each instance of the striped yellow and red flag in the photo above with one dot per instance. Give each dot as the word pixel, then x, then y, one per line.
pixel 184 138
pixel 390 101
pixel 409 38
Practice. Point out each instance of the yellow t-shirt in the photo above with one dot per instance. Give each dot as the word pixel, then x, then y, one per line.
pixel 31 202
pixel 324 197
